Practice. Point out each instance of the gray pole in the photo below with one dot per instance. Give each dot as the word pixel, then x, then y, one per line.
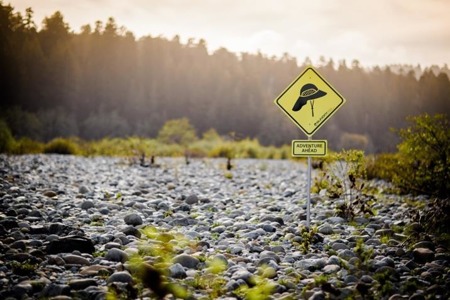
pixel 308 204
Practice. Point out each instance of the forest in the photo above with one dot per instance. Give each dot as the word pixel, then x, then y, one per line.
pixel 104 82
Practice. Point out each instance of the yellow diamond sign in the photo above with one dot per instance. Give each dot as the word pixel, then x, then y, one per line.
pixel 309 101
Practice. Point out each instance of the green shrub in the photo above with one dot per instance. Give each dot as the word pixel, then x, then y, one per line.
pixel 61 146
pixel 178 131
pixel 423 165
pixel 27 146
pixel 382 166
pixel 343 176
pixel 6 138
pixel 223 149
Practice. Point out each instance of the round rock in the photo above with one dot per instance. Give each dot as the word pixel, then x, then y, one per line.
pixel 124 277
pixel 133 219
pixel 186 260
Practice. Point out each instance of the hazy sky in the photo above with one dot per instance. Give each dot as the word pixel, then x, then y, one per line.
pixel 372 31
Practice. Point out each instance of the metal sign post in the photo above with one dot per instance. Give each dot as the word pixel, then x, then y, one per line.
pixel 308 204
pixel 309 88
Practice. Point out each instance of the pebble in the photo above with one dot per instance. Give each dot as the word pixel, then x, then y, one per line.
pixel 60 216
pixel 423 255
pixel 186 260
pixel 133 219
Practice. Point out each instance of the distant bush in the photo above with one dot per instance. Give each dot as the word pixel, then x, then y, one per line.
pixel 382 166
pixel 6 138
pixel 423 165
pixel 223 149
pixel 178 131
pixel 61 146
pixel 27 146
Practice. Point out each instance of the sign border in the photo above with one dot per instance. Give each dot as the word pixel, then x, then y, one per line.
pixel 309 134
pixel 325 142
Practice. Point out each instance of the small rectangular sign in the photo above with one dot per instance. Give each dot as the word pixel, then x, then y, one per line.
pixel 308 148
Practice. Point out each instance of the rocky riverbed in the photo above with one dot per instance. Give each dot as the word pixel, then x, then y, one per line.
pixel 69 227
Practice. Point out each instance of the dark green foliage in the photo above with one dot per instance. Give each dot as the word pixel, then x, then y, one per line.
pixel 61 146
pixel 308 238
pixel 179 131
pixel 434 220
pixel 27 146
pixel 381 166
pixel 343 176
pixel 24 268
pixel 423 166
pixel 6 138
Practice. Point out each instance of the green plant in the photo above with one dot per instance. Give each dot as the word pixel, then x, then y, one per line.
pixel 343 176
pixel 27 146
pixel 61 146
pixel 433 218
pixel 381 166
pixel 6 138
pixel 178 131
pixel 423 166
pixel 364 255
pixel 384 284
pixel 228 175
pixel 261 287
pixel 308 236
pixel 168 213
pixel 161 246
pixel 26 268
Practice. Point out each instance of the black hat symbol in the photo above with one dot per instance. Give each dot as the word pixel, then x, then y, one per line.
pixel 308 92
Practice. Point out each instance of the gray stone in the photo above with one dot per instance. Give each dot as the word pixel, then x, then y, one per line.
pixel 366 279
pixel 53 289
pixel 231 285
pixel 87 204
pixel 81 284
pixel 186 261
pixel 177 271
pixel 311 264
pixel 21 289
pixel 123 276
pixel 242 274
pixel 339 246
pixel 350 279
pixel 331 269
pixel 317 296
pixel 133 219
pixel 423 255
pixel 83 190
pixel 218 229
pixel 333 260
pixel 70 243
pixel 254 234
pixel 191 199
pixel 50 194
pixel 346 254
pixel 325 229
pixel 236 250
pixel 269 228
pixel 115 254
pixel 75 259
pixel 336 220
pixel 269 254
pixel 424 244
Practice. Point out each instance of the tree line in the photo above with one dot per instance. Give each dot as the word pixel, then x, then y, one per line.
pixel 102 81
